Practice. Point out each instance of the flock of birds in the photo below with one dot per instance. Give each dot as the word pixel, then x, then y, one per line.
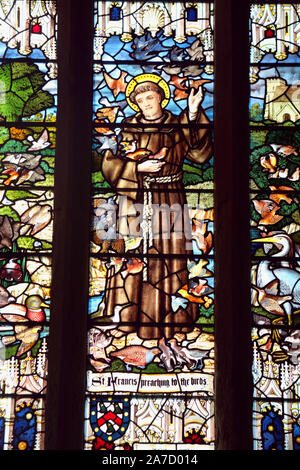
pixel 171 354
pixel 24 323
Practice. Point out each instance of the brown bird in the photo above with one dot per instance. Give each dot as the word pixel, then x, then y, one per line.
pixel 138 356
pixel 269 162
pixel 267 209
pixel 5 297
pixel 203 239
pixel 269 299
pixel 28 336
pixel 107 113
pixel 181 90
pixel 99 365
pixel 35 219
pixel 277 197
pixel 133 266
pixel 116 85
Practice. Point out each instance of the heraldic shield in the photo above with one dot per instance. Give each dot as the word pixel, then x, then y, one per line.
pixel 109 417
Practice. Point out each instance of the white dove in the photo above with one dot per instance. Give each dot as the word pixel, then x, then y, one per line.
pixel 41 143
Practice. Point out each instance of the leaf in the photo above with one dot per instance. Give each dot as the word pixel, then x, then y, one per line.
pixel 5 78
pixel 22 88
pixel 38 102
pixel 27 243
pixel 10 213
pixel 21 69
pixel 13 146
pixel 12 108
pixel 46 167
pixel 16 195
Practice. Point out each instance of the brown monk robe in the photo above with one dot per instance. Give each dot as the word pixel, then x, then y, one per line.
pixel 147 295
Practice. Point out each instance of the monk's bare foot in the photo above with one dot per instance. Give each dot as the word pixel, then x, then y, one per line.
pixel 117 333
pixel 180 337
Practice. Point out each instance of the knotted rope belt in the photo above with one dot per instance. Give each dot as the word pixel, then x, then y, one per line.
pixel 146 225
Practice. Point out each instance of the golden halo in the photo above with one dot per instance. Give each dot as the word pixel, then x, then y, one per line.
pixel 147 77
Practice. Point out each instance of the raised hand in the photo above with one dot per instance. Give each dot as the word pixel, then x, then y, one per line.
pixel 195 98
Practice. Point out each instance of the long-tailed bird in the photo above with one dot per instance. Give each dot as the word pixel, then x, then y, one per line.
pixel 35 219
pixel 138 356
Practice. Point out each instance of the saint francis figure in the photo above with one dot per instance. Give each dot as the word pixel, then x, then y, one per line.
pixel 146 170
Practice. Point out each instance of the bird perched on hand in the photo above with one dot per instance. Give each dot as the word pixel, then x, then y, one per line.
pixel 22 318
pixel 35 219
pixel 138 356
pixel 41 143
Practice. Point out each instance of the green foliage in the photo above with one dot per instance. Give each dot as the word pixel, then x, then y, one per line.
pixel 21 93
pixel 190 178
pixel 151 368
pixel 13 146
pixel 206 312
pixel 257 138
pixel 116 366
pixel 256 112
pixel 16 195
pixel 6 210
pixel 4 135
pixel 99 181
pixel 27 243
pixel 208 174
pixel 46 167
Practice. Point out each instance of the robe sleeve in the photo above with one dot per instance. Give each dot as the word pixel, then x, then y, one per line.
pixel 121 173
pixel 198 139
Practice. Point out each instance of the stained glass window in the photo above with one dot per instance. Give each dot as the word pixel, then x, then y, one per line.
pixel 28 83
pixel 151 336
pixel 274 184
